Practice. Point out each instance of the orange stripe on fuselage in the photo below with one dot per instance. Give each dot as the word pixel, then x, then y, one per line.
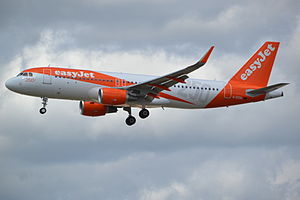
pixel 82 75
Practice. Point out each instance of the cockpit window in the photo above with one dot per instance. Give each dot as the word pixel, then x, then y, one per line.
pixel 25 74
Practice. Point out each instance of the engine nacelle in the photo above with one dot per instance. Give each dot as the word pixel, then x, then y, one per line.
pixel 112 96
pixel 89 108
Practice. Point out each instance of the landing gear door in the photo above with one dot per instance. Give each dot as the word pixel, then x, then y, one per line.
pixel 47 76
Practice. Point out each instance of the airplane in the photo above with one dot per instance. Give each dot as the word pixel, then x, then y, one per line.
pixel 100 93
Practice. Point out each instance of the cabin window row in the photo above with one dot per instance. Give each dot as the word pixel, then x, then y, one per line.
pixel 95 79
pixel 198 88
pixel 91 79
pixel 134 82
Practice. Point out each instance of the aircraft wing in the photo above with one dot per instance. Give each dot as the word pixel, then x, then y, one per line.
pixel 151 88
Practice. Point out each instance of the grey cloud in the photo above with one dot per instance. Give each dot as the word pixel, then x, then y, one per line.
pixel 132 24
pixel 213 174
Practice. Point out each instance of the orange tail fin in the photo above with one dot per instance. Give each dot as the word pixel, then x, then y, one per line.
pixel 257 70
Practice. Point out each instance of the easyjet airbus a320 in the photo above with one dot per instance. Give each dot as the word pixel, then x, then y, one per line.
pixel 100 92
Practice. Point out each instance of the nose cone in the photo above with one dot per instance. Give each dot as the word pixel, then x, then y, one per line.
pixel 11 84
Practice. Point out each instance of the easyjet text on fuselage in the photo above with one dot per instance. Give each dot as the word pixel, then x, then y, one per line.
pixel 75 74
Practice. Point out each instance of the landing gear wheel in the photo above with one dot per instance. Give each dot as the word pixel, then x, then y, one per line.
pixel 144 113
pixel 43 110
pixel 130 120
pixel 44 103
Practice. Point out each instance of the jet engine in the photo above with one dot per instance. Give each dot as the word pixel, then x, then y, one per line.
pixel 89 108
pixel 113 96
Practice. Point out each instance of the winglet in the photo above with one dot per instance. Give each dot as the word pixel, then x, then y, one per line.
pixel 204 59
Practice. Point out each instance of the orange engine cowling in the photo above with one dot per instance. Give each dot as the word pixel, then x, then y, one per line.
pixel 89 108
pixel 112 96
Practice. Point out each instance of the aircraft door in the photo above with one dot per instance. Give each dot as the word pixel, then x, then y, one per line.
pixel 228 91
pixel 47 79
pixel 120 82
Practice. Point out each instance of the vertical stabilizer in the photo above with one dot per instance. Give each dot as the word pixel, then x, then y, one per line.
pixel 256 71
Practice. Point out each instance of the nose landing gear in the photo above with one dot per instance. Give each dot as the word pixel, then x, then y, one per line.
pixel 43 110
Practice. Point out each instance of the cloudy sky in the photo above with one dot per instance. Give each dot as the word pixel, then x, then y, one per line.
pixel 242 152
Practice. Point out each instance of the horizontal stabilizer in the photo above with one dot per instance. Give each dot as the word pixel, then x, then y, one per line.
pixel 265 90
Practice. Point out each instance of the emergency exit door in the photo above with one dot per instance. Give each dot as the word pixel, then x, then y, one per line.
pixel 47 76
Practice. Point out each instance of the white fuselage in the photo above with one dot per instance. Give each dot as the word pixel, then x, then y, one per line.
pixel 196 91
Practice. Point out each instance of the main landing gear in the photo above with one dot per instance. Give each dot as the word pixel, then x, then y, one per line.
pixel 144 113
pixel 130 120
pixel 43 110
